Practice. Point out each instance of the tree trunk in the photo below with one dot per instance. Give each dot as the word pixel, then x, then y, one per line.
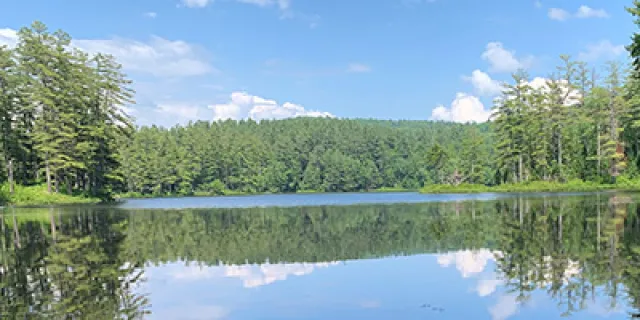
pixel 560 153
pixel 520 167
pixel 16 231
pixel 10 173
pixel 48 170
pixel 69 186
pixel 613 126
pixel 599 152
pixel 53 224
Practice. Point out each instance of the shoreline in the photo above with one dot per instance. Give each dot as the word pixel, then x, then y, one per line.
pixel 43 199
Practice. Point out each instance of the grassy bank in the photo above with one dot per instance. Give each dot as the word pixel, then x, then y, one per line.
pixel 27 196
pixel 536 186
pixel 137 195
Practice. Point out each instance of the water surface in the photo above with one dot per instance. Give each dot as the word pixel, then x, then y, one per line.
pixel 321 199
pixel 513 257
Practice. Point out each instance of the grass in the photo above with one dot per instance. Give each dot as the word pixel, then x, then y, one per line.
pixel 536 186
pixel 227 192
pixel 32 196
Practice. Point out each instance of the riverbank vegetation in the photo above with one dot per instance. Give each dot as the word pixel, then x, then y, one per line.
pixel 63 126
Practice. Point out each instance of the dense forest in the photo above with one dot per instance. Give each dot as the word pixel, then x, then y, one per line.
pixel 86 262
pixel 63 126
pixel 303 154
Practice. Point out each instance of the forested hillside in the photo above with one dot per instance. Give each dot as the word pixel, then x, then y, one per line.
pixel 303 154
pixel 63 126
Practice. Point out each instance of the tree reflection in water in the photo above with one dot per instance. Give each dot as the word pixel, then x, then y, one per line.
pixel 87 263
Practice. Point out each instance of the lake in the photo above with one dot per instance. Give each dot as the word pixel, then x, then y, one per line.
pixel 335 256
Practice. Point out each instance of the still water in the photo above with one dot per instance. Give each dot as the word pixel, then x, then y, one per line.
pixel 498 257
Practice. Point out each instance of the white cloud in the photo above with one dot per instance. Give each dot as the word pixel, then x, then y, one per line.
pixel 8 37
pixel 585 12
pixel 196 3
pixel 542 84
pixel 483 84
pixel 465 108
pixel 468 262
pixel 151 14
pixel 486 287
pixel 158 57
pixel 251 275
pixel 506 307
pixel 358 68
pixel 179 111
pixel 503 60
pixel 282 4
pixel 601 50
pixel 256 276
pixel 261 3
pixel 558 14
pixel 243 105
pixel 192 311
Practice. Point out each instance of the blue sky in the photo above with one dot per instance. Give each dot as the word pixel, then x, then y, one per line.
pixel 390 59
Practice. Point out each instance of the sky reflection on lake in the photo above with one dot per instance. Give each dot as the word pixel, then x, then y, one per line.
pixel 454 285
pixel 539 257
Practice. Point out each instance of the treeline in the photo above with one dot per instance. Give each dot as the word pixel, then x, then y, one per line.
pixel 302 154
pixel 61 121
pixel 62 124
pixel 580 123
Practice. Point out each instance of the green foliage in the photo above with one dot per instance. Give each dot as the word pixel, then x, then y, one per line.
pixel 61 116
pixel 294 155
pixel 85 263
pixel 4 196
pixel 37 195
pixel 575 185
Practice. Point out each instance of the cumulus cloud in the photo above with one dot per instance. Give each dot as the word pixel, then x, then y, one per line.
pixel 252 276
pixel 256 276
pixel 358 68
pixel 483 84
pixel 464 108
pixel 506 307
pixel 558 14
pixel 8 37
pixel 601 50
pixel 503 60
pixel 543 84
pixel 486 287
pixel 151 14
pixel 243 105
pixel 583 12
pixel 468 262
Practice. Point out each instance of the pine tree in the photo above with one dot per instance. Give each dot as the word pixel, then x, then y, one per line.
pixel 8 113
pixel 613 146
